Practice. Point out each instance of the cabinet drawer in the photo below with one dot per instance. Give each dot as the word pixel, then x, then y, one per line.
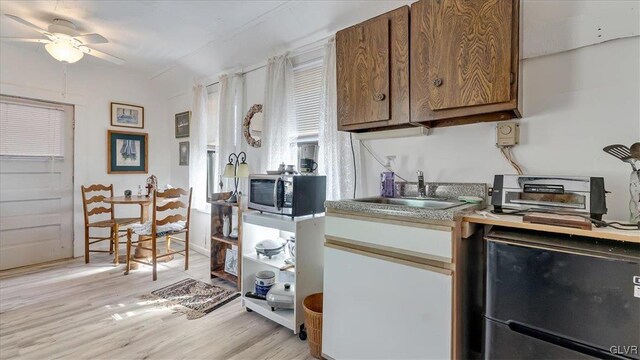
pixel 413 240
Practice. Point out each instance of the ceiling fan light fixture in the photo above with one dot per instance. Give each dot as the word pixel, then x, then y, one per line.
pixel 64 51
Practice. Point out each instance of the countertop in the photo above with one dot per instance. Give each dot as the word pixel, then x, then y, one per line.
pixel 516 222
pixel 373 209
pixel 437 190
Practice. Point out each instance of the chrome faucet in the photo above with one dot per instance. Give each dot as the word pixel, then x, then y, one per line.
pixel 422 191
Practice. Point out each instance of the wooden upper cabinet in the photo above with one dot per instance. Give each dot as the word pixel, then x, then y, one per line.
pixel 464 61
pixel 372 60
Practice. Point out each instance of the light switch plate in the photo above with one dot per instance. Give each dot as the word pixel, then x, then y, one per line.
pixel 507 134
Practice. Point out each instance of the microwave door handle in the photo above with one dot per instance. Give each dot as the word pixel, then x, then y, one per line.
pixel 275 194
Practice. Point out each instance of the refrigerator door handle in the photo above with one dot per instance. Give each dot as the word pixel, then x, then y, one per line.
pixel 563 342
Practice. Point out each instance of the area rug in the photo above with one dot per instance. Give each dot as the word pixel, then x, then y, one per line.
pixel 191 297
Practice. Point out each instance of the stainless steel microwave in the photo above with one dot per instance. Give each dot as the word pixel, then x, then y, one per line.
pixel 293 195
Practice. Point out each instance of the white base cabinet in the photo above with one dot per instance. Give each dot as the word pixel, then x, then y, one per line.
pixel 384 308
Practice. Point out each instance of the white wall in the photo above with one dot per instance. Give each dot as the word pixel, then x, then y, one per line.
pixel 28 71
pixel 200 221
pixel 254 94
pixel 575 103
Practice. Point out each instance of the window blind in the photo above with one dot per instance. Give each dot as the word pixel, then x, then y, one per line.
pixel 307 86
pixel 31 130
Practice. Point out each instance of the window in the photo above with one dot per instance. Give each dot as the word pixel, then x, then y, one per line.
pixel 212 112
pixel 307 89
pixel 211 172
pixel 31 130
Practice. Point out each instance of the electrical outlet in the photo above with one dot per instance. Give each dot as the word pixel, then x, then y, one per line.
pixel 507 134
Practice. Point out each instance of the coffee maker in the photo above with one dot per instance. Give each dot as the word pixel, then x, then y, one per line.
pixel 308 159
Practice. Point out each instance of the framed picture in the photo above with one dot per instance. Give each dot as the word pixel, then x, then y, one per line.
pixel 183 121
pixel 127 152
pixel 183 148
pixel 124 115
pixel 231 262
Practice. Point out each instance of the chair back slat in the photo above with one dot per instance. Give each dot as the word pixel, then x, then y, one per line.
pixel 172 205
pixel 98 187
pixel 175 192
pixel 175 203
pixel 99 210
pixel 171 219
pixel 96 201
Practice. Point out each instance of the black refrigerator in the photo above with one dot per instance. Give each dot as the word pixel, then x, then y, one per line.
pixel 550 296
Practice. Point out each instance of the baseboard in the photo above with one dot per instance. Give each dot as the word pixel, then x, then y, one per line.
pixel 200 250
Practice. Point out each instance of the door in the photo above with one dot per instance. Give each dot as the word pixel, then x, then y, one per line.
pixel 362 61
pixel 461 54
pixel 265 193
pixel 36 182
pixel 379 308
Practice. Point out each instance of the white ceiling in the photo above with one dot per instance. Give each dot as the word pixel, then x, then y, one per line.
pixel 175 42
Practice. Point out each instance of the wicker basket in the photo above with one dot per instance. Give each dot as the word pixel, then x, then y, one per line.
pixel 312 305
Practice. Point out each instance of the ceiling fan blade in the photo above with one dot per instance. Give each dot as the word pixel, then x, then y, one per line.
pixel 25 22
pixel 15 39
pixel 92 39
pixel 101 55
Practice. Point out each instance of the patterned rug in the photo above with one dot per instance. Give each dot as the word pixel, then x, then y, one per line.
pixel 191 297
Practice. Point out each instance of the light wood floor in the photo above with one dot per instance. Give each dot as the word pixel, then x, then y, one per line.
pixel 75 311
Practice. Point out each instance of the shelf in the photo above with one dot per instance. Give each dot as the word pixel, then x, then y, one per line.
pixel 280 222
pixel 282 317
pixel 227 240
pixel 223 203
pixel 275 262
pixel 225 275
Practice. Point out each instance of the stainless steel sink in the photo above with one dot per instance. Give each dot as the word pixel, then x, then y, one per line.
pixel 430 203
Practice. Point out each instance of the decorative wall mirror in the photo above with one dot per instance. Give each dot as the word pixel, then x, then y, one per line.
pixel 255 115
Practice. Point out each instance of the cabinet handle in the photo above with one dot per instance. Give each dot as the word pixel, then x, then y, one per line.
pixel 378 97
pixel 437 82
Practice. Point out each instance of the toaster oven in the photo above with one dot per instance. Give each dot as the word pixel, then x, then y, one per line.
pixel 566 194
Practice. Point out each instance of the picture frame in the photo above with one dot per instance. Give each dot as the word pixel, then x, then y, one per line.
pixel 183 124
pixel 183 153
pixel 231 262
pixel 127 115
pixel 127 152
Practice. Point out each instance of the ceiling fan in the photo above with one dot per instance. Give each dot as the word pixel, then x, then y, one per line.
pixel 64 42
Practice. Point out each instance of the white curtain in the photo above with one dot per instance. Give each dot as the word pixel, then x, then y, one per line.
pixel 279 113
pixel 335 158
pixel 198 148
pixel 230 105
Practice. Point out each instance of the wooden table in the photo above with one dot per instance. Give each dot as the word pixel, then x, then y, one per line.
pixel 144 203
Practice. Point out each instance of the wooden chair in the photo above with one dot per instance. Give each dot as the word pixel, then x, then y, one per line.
pixel 163 201
pixel 98 206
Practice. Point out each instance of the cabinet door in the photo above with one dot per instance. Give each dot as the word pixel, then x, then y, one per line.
pixel 378 308
pixel 462 56
pixel 362 56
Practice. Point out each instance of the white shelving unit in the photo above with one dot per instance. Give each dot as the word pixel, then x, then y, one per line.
pixel 306 275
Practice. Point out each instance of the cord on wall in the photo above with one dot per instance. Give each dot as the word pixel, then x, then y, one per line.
pixel 380 162
pixel 355 171
pixel 508 155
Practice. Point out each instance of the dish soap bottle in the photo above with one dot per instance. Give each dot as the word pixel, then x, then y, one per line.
pixel 387 179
